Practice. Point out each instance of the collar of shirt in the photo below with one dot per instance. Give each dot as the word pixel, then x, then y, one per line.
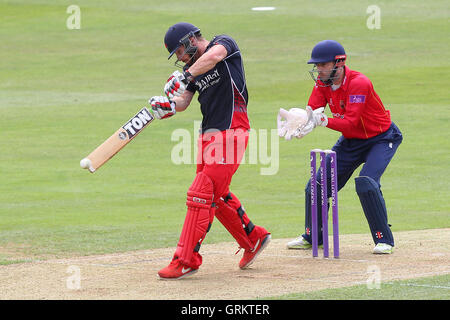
pixel 345 81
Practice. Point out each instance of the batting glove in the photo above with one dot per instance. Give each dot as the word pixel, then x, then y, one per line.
pixel 177 83
pixel 162 107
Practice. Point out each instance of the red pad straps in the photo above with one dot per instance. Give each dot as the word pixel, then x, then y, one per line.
pixel 233 217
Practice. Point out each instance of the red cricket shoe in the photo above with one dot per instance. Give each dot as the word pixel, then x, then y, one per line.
pixel 261 243
pixel 176 270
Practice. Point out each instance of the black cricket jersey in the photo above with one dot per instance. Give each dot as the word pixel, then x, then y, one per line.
pixel 223 95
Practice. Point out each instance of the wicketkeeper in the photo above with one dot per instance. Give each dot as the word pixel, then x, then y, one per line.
pixel 369 137
pixel 215 70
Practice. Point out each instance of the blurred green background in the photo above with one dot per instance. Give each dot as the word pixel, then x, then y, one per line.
pixel 63 92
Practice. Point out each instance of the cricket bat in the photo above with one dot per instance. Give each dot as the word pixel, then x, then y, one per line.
pixel 117 141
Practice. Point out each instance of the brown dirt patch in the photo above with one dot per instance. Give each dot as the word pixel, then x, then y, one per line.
pixel 277 271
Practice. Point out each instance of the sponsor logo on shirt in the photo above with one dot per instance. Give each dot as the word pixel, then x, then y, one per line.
pixel 358 98
pixel 338 115
pixel 208 80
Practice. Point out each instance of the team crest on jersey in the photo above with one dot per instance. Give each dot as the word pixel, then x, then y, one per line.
pixel 137 123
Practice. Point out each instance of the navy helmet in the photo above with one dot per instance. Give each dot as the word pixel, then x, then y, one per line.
pixel 326 51
pixel 178 35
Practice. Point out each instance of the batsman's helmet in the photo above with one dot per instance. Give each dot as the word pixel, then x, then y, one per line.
pixel 178 35
pixel 326 51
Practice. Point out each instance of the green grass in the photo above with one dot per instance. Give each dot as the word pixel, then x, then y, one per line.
pixel 6 260
pixel 428 288
pixel 63 92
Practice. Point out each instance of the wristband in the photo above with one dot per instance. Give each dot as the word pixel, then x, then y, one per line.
pixel 188 77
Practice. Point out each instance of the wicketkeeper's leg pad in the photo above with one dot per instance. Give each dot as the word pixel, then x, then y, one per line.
pixel 233 217
pixel 199 216
pixel 374 208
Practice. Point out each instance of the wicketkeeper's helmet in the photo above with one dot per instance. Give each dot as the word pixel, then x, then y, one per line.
pixel 327 51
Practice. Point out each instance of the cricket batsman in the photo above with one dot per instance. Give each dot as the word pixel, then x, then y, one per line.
pixel 215 70
pixel 369 137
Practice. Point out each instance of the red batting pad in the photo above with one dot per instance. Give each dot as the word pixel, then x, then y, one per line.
pixel 228 215
pixel 198 217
